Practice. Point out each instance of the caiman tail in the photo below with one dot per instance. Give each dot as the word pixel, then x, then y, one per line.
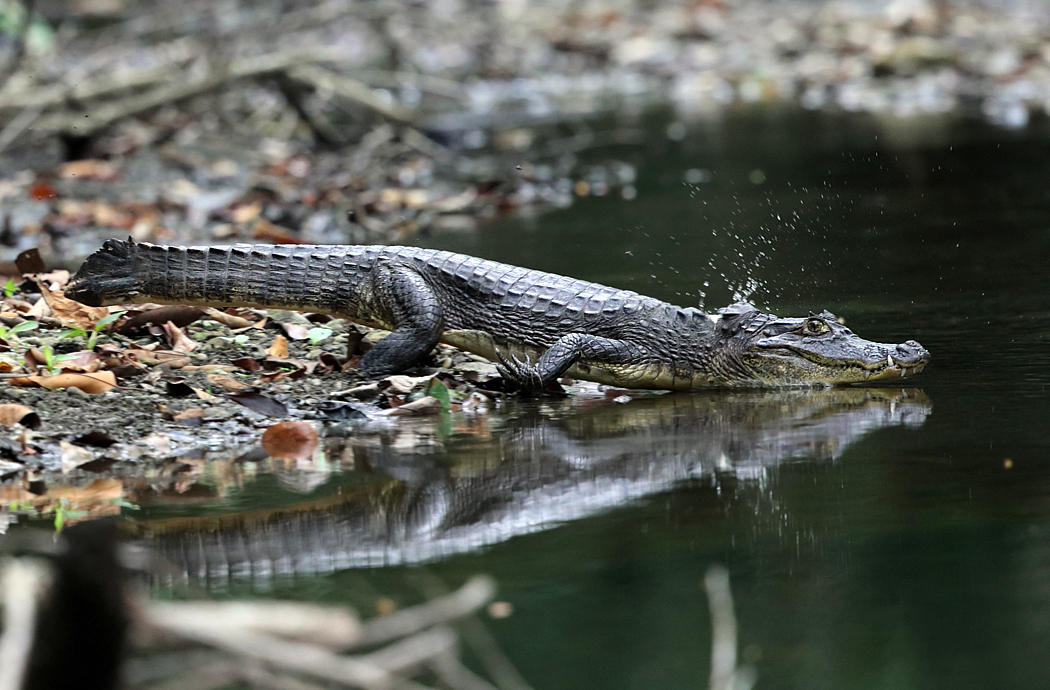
pixel 282 276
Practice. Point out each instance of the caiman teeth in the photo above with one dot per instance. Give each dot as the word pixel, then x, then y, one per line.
pixel 889 361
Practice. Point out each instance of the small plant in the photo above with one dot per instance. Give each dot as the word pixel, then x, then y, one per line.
pixel 63 513
pixel 6 333
pixel 10 288
pixel 318 334
pixel 91 337
pixel 51 360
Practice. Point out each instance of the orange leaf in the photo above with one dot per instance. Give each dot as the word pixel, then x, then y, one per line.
pixel 279 348
pixel 12 413
pixel 71 313
pixel 97 382
pixel 180 342
pixel 290 440
pixel 227 383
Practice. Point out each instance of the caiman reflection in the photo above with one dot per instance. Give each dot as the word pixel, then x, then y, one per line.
pixel 535 474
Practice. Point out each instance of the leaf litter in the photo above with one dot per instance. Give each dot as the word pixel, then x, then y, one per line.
pixel 167 395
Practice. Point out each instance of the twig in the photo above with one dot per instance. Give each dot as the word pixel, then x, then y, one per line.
pixel 23 582
pixel 724 672
pixel 327 626
pixel 474 594
pixel 104 115
pixel 350 89
pixel 298 657
pixel 407 655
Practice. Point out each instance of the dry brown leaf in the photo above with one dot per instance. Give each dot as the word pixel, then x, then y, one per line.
pixel 73 456
pixel 97 382
pixel 68 312
pixel 227 383
pixel 263 229
pixel 84 361
pixel 175 360
pixel 425 405
pixel 98 490
pixel 12 493
pixel 13 413
pixel 228 320
pixel 192 413
pixel 177 338
pixel 290 440
pixel 279 348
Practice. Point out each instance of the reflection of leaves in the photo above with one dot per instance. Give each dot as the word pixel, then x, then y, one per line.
pixel 440 391
pixel 290 440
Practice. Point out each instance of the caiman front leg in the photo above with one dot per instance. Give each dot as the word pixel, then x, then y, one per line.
pixel 566 351
pixel 416 314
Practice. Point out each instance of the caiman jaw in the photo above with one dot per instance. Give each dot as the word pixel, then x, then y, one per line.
pixel 890 367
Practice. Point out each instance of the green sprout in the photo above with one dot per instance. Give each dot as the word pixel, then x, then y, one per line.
pixel 51 360
pixel 318 334
pixel 63 513
pixel 5 333
pixel 10 288
pixel 91 337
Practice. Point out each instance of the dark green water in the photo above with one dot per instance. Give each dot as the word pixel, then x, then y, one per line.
pixel 894 540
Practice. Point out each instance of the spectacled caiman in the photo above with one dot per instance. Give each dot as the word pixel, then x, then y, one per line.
pixel 537 325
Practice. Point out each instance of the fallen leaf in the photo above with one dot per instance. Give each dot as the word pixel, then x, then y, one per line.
pixel 425 405
pixel 96 382
pixel 29 262
pixel 175 360
pixel 189 417
pixel 295 331
pixel 263 229
pixel 73 456
pixel 228 320
pixel 177 314
pixel 13 413
pixel 69 312
pixel 84 361
pixel 279 348
pixel 177 338
pixel 259 403
pixel 227 383
pixel 290 440
pixel 400 383
pixel 247 363
pixel 99 439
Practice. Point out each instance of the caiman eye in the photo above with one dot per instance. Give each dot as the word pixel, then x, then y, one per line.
pixel 815 326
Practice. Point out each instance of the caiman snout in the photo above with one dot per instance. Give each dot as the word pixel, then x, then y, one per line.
pixel 911 353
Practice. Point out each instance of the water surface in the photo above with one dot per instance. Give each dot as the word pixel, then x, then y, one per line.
pixel 889 538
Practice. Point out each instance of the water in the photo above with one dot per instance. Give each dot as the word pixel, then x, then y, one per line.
pixel 883 538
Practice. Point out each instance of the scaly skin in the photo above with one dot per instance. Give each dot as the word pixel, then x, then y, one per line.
pixel 538 325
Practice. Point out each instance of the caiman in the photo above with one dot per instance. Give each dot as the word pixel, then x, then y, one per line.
pixel 538 326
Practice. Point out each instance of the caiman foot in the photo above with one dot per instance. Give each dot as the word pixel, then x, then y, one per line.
pixel 524 375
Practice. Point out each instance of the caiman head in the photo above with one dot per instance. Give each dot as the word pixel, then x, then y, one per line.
pixel 811 351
